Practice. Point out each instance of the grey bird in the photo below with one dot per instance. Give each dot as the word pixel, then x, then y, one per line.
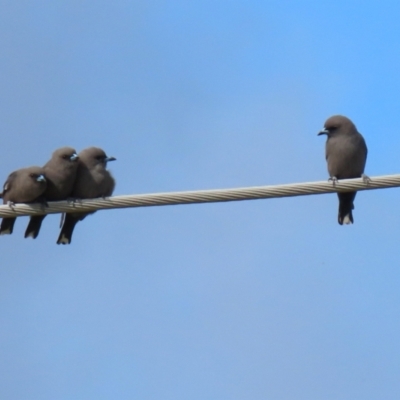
pixel 25 185
pixel 60 172
pixel 346 155
pixel 92 181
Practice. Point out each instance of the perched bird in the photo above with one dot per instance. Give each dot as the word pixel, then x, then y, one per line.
pixel 346 155
pixel 60 172
pixel 92 180
pixel 25 185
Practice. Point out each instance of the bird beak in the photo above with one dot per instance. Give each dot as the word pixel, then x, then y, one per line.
pixel 74 157
pixel 323 132
pixel 107 159
pixel 41 178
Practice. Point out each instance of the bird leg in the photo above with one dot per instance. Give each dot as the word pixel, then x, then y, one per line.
pixel 72 200
pixel 43 203
pixel 366 179
pixel 11 204
pixel 334 180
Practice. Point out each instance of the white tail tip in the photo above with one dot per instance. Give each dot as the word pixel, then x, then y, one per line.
pixel 347 220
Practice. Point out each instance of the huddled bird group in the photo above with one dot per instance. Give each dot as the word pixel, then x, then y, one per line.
pixel 66 176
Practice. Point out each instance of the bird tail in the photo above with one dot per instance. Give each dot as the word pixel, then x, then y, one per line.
pixel 7 226
pixel 34 225
pixel 67 229
pixel 346 205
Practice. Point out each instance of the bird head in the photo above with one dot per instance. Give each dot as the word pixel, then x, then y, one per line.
pixel 67 154
pixel 337 124
pixel 94 157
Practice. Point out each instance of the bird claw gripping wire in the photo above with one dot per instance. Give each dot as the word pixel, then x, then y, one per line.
pixel 366 179
pixel 334 180
pixel 74 200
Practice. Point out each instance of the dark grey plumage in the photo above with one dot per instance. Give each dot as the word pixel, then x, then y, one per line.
pixel 60 173
pixel 346 155
pixel 92 180
pixel 25 185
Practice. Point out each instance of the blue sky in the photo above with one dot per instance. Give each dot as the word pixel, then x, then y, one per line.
pixel 258 299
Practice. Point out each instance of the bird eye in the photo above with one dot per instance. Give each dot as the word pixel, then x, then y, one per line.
pixel 65 157
pixel 33 175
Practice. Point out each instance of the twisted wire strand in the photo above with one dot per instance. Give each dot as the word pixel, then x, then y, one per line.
pixel 201 196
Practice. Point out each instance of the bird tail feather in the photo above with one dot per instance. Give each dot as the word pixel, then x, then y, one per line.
pixel 7 226
pixel 67 229
pixel 346 205
pixel 34 225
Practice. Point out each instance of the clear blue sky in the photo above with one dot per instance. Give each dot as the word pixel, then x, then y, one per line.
pixel 268 299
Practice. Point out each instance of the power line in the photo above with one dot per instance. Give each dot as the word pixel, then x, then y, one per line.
pixel 202 196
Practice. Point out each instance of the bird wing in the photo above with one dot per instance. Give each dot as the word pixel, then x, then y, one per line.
pixel 8 184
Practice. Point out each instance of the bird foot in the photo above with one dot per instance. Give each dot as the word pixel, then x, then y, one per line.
pixel 72 200
pixel 334 180
pixel 366 179
pixel 11 204
pixel 43 205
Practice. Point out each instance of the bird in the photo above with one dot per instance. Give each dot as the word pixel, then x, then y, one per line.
pixel 25 185
pixel 92 180
pixel 60 172
pixel 346 156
